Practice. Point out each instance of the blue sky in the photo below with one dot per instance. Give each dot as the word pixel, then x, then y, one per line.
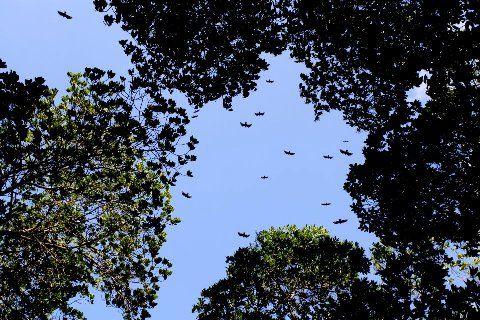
pixel 228 194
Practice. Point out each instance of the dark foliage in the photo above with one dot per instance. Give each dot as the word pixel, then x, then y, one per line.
pixel 207 49
pixel 419 188
pixel 363 57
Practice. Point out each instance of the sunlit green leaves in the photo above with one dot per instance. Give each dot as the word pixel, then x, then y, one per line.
pixel 294 273
pixel 83 204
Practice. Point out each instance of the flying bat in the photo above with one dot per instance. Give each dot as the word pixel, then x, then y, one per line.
pixel 259 114
pixel 186 195
pixel 245 124
pixel 289 153
pixel 264 177
pixel 326 203
pixel 346 141
pixel 340 221
pixel 189 174
pixel 243 234
pixel 65 14
pixel 270 81
pixel 345 152
pixel 328 156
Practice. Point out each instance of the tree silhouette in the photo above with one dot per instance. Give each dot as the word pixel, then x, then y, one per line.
pixel 206 49
pixel 84 197
pixel 418 189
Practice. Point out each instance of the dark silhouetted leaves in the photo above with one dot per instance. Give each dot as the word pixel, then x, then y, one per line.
pixel 418 189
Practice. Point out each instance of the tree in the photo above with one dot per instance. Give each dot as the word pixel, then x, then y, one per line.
pixel 84 195
pixel 362 58
pixel 428 282
pixel 206 49
pixel 292 273
pixel 418 189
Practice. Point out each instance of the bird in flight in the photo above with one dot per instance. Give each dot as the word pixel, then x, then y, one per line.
pixel 264 177
pixel 189 174
pixel 270 81
pixel 346 152
pixel 340 221
pixel 186 195
pixel 243 234
pixel 328 156
pixel 245 124
pixel 326 203
pixel 194 116
pixel 346 141
pixel 65 14
pixel 289 153
pixel 259 114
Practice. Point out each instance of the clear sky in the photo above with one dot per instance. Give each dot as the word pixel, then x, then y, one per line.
pixel 227 192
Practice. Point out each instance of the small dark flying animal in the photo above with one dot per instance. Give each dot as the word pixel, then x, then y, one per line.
pixel 346 141
pixel 264 177
pixel 245 124
pixel 65 14
pixel 326 203
pixel 270 81
pixel 340 221
pixel 243 234
pixel 289 153
pixel 259 114
pixel 328 156
pixel 346 152
pixel 189 174
pixel 186 195
pixel 195 116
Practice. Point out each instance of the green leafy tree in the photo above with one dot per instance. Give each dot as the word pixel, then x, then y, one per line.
pixel 292 273
pixel 84 197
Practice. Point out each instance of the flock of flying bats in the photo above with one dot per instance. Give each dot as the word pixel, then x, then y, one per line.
pixel 245 124
pixel 288 153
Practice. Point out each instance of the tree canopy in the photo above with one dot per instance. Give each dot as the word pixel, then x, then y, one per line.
pixel 295 273
pixel 362 59
pixel 418 189
pixel 84 199
pixel 84 196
